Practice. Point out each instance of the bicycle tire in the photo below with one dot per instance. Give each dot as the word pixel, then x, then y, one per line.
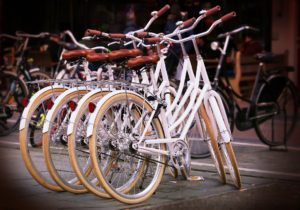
pixel 225 144
pixel 32 156
pixel 213 145
pixel 205 152
pixel 280 93
pixel 230 159
pixel 55 149
pixel 76 148
pixel 127 198
pixel 13 103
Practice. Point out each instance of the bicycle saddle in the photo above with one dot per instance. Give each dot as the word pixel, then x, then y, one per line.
pixel 266 57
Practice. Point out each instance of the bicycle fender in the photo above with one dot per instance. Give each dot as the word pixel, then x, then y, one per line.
pixel 55 105
pixel 70 128
pixel 32 100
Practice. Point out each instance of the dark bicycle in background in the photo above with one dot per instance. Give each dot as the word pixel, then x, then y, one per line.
pixel 272 108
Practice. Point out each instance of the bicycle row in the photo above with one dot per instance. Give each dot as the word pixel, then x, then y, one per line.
pixel 116 136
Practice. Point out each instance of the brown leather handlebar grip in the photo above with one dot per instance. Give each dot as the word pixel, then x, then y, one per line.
pixel 141 34
pixel 188 22
pixel 213 10
pixel 228 16
pixel 117 36
pixel 152 40
pixel 92 32
pixel 163 10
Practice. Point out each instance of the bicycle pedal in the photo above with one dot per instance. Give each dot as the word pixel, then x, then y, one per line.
pixel 195 178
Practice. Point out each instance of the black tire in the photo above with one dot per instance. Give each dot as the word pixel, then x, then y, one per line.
pixel 12 91
pixel 278 95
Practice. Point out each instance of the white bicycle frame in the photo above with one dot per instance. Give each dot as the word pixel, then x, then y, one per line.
pixel 212 101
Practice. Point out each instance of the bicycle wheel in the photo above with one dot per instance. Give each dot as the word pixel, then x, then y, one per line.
pixel 212 144
pixel 133 176
pixel 218 123
pixel 196 135
pixel 197 138
pixel 78 143
pixel 12 92
pixel 38 75
pixel 276 111
pixel 35 76
pixel 30 136
pixel 55 145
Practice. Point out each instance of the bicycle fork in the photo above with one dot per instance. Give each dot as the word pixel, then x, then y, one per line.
pixel 216 112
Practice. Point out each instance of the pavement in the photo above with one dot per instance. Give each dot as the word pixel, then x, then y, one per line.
pixel 270 180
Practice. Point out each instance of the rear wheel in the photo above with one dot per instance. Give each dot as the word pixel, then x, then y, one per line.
pixel 276 111
pixel 12 91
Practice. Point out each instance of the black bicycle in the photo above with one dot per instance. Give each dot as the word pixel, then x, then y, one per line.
pixel 272 107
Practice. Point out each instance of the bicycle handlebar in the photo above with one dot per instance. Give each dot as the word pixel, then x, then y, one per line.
pixel 10 36
pixel 155 15
pixel 237 30
pixel 40 35
pixel 135 35
pixel 70 34
pixel 203 14
pixel 220 20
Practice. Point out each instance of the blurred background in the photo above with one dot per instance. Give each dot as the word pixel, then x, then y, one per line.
pixel 277 20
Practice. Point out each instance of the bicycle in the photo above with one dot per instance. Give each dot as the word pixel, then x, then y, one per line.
pixel 14 89
pixel 77 142
pixel 264 112
pixel 73 95
pixel 34 115
pixel 142 146
pixel 272 106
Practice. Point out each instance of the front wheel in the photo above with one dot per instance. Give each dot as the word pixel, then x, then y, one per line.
pixel 220 128
pixel 276 111
pixel 126 174
pixel 199 148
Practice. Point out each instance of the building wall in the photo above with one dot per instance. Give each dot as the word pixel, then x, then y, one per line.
pixel 284 31
pixel 1 17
